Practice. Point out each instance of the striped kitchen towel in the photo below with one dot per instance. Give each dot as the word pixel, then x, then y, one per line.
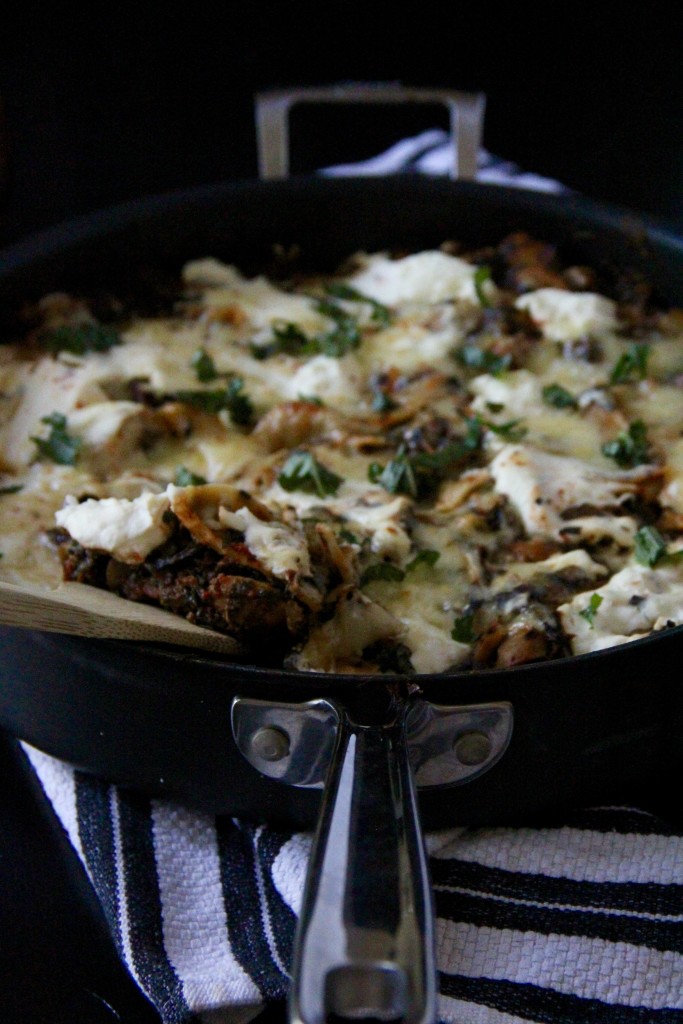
pixel 431 152
pixel 573 920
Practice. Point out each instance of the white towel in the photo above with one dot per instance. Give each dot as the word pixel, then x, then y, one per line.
pixel 580 920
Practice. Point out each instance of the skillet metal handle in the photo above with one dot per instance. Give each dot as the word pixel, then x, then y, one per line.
pixel 365 942
pixel 466 115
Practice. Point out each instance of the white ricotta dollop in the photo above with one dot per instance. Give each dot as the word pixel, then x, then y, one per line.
pixel 128 529
pixel 564 316
pixel 430 276
pixel 635 601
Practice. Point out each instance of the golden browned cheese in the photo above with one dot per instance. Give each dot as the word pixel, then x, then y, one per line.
pixel 421 464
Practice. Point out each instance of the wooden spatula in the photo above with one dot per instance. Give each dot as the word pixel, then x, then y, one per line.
pixel 86 611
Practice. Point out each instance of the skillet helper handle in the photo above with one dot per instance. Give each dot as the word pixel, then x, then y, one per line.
pixel 365 941
pixel 465 111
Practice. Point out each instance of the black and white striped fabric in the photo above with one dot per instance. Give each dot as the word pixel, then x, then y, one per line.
pixel 431 152
pixel 579 920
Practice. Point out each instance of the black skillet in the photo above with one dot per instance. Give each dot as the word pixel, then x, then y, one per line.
pixel 263 743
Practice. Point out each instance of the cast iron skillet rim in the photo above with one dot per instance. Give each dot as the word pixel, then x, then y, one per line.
pixel 590 216
pixel 324 681
pixel 99 223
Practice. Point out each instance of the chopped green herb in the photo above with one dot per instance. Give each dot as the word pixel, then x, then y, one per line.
pixel 303 472
pixel 511 430
pixel 382 571
pixel 203 365
pixel 630 448
pixel 588 613
pixel 239 405
pixel 11 489
pixel 80 339
pixel 229 398
pixel 559 397
pixel 340 290
pixel 426 557
pixel 463 629
pixel 345 335
pixel 418 473
pixel 481 276
pixel 58 446
pixel 475 358
pixel 495 406
pixel 349 537
pixel 289 339
pixel 186 478
pixel 649 546
pixel 632 365
pixel 397 477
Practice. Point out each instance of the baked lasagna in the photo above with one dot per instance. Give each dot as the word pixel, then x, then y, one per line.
pixel 421 463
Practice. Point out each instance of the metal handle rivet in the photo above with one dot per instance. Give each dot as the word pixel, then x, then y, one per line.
pixel 472 748
pixel 270 743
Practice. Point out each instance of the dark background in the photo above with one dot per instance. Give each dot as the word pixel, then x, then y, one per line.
pixel 114 106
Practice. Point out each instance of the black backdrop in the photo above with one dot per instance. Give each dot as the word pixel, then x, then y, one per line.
pixel 115 105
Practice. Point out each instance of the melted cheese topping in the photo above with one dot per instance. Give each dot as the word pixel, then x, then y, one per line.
pixel 544 487
pixel 466 486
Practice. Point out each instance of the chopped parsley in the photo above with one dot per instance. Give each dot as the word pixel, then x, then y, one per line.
pixel 204 366
pixel 58 446
pixel 475 358
pixel 631 365
pixel 11 489
pixel 559 397
pixel 630 448
pixel 344 336
pixel 588 613
pixel 463 629
pixel 186 478
pixel 382 571
pixel 649 546
pixel 426 557
pixel 398 476
pixel 418 473
pixel 289 339
pixel 229 398
pixel 239 405
pixel 91 337
pixel 303 472
pixel 340 290
pixel 481 276
pixel 511 430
